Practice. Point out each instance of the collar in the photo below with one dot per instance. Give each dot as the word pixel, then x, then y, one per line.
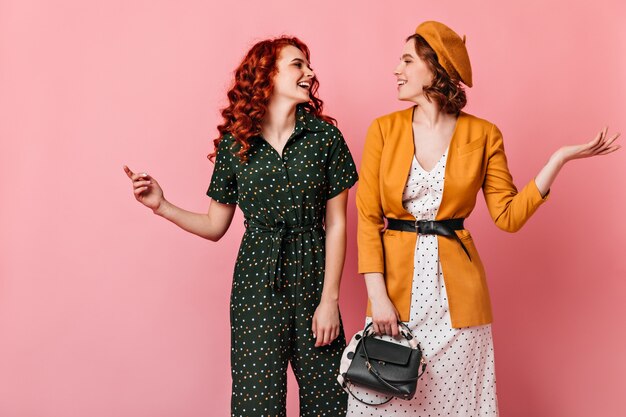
pixel 305 120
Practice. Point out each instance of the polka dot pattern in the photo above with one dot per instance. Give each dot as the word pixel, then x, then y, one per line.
pixel 460 375
pixel 271 326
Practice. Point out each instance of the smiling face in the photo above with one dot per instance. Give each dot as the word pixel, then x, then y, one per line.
pixel 294 76
pixel 412 74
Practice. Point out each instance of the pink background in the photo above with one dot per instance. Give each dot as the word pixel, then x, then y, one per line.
pixel 106 310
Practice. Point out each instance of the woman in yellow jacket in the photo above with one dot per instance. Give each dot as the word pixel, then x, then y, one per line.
pixel 420 173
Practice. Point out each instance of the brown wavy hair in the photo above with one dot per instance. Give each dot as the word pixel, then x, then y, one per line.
pixel 445 90
pixel 251 92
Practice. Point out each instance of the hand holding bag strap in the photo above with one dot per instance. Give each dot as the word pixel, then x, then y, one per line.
pixel 414 345
pixel 409 336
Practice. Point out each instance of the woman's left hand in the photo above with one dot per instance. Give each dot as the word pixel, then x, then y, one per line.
pixel 602 144
pixel 326 323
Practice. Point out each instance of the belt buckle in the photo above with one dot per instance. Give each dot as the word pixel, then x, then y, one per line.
pixel 419 224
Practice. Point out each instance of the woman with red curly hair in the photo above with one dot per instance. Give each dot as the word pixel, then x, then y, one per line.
pixel 289 169
pixel 421 171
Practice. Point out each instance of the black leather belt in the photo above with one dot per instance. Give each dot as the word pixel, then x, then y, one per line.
pixel 430 227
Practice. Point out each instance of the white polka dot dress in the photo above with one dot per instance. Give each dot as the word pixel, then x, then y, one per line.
pixel 460 375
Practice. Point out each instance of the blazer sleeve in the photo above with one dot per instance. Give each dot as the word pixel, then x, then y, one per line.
pixel 509 208
pixel 369 206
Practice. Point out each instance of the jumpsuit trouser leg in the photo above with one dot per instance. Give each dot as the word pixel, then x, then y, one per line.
pixel 270 328
pixel 316 368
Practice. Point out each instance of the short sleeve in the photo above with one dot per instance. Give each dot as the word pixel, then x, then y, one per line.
pixel 341 172
pixel 223 188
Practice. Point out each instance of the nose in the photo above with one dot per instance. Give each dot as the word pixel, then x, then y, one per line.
pixel 309 72
pixel 397 71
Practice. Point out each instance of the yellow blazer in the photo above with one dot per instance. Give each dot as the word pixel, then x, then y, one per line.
pixel 476 160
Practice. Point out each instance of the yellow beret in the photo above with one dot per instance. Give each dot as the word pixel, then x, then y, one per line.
pixel 450 49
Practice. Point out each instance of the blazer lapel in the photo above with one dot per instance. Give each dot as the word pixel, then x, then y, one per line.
pixel 401 166
pixel 450 189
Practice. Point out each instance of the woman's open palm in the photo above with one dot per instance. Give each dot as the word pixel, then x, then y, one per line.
pixel 602 144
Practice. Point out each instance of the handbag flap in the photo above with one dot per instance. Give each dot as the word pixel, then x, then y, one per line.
pixel 389 352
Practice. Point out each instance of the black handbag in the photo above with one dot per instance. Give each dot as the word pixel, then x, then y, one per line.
pixel 386 367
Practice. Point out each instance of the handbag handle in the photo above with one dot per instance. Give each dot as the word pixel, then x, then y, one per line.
pixel 407 334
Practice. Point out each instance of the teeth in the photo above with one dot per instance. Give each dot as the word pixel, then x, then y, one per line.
pixel 401 82
pixel 304 84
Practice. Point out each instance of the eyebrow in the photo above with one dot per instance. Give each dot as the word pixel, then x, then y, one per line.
pixel 406 56
pixel 300 60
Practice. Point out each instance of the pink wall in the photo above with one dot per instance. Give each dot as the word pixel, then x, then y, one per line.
pixel 105 310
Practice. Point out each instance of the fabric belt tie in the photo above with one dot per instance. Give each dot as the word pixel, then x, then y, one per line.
pixel 431 227
pixel 279 233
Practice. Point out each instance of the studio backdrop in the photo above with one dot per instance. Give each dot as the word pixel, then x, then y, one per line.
pixel 107 310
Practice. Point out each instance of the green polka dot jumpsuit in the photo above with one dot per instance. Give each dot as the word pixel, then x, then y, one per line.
pixel 279 272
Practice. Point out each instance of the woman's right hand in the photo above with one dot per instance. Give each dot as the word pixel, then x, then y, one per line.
pixel 384 314
pixel 384 317
pixel 147 191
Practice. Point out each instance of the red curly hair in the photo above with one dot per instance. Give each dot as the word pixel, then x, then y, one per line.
pixel 252 90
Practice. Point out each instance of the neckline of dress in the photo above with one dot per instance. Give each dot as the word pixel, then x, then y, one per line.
pixel 443 156
pixel 454 132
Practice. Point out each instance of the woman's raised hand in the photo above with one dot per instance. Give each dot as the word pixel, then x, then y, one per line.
pixel 602 144
pixel 147 191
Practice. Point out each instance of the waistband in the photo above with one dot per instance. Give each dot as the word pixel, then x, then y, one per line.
pixel 280 231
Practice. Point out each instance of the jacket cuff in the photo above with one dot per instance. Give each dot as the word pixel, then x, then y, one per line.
pixel 371 268
pixel 537 198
